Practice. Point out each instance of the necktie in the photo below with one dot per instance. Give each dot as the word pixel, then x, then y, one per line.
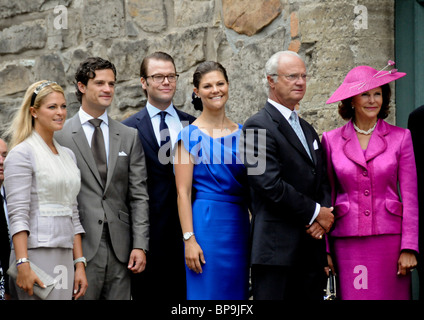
pixel 294 122
pixel 163 129
pixel 98 149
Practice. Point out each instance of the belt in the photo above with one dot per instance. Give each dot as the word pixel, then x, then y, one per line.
pixel 220 197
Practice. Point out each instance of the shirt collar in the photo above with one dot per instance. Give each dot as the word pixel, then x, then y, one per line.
pixel 153 111
pixel 286 112
pixel 84 116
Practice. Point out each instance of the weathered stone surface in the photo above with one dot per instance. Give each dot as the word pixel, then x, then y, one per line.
pixel 188 13
pixel 103 19
pixel 14 78
pixel 149 15
pixel 50 67
pixel 249 16
pixel 124 31
pixel 25 36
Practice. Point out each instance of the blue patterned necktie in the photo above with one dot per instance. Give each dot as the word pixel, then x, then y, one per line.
pixel 294 122
pixel 163 129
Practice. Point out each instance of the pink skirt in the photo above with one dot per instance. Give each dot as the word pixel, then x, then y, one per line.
pixel 366 268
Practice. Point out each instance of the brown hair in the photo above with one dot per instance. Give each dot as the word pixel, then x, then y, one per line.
pixel 158 55
pixel 201 70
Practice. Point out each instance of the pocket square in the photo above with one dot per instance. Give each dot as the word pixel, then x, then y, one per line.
pixel 122 154
pixel 315 144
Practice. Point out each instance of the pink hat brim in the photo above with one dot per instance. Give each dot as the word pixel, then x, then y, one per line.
pixel 361 79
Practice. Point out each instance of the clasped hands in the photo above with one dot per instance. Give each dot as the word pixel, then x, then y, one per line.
pixel 322 223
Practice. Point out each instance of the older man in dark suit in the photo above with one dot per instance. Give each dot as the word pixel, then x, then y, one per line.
pixel 158 125
pixel 290 198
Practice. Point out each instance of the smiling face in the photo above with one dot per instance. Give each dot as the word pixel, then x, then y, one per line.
pixel 50 116
pixel 213 90
pixel 368 104
pixel 97 95
pixel 284 91
pixel 159 94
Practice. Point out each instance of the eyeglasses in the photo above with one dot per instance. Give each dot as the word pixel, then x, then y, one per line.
pixel 293 77
pixel 159 78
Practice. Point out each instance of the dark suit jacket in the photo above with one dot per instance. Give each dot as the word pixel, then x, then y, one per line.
pixel 124 200
pixel 416 126
pixel 284 197
pixel 166 245
pixel 4 244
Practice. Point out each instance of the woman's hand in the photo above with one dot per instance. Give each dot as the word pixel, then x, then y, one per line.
pixel 80 281
pixel 194 255
pixel 27 278
pixel 407 261
pixel 330 266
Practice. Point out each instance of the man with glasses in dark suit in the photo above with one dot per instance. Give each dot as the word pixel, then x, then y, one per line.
pixel 158 125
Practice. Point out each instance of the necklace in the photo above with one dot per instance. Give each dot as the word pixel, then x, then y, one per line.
pixel 363 131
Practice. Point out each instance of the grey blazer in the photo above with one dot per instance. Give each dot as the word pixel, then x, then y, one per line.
pixel 124 200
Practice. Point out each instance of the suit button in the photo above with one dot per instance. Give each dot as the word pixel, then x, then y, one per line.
pixel 365 173
pixel 367 192
pixel 314 172
pixel 100 221
pixel 367 212
pixel 104 197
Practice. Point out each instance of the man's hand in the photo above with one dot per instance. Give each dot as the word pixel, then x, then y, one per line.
pixel 315 230
pixel 137 261
pixel 325 218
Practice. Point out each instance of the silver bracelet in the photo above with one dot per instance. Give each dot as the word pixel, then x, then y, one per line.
pixel 81 259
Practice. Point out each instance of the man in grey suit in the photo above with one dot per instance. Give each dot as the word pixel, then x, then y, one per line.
pixel 113 200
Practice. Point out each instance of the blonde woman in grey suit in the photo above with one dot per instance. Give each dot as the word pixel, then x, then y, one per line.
pixel 42 182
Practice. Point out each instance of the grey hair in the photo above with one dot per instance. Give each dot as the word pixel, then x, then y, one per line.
pixel 271 66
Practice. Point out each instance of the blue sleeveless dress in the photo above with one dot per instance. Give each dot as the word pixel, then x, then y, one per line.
pixel 220 216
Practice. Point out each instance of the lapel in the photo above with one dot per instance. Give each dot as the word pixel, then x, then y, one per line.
pixel 145 128
pixel 286 129
pixel 185 118
pixel 114 145
pixel 376 145
pixel 309 139
pixel 80 140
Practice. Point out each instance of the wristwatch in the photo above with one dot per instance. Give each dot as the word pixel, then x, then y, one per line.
pixel 187 235
pixel 21 260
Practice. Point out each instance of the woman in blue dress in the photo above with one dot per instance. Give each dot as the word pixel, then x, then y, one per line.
pixel 212 194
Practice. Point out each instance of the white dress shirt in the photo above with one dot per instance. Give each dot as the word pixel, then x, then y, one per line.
pixel 89 128
pixel 171 119
pixel 286 112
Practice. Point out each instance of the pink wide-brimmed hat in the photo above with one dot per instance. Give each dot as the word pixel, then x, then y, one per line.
pixel 363 78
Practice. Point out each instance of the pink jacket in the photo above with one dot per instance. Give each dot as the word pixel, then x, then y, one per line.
pixel 365 184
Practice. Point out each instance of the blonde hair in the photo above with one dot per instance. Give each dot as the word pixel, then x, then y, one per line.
pixel 23 123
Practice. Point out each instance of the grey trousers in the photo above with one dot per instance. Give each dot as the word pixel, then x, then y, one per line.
pixel 108 278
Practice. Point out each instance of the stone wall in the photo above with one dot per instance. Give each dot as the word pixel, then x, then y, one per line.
pixel 47 39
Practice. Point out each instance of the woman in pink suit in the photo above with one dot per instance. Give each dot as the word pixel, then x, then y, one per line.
pixel 372 170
